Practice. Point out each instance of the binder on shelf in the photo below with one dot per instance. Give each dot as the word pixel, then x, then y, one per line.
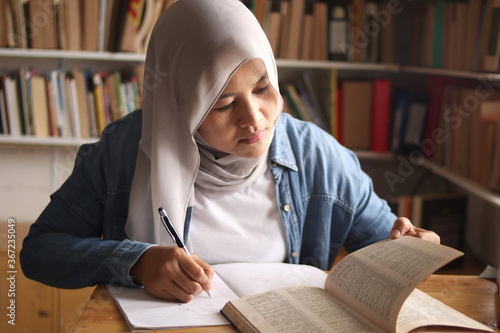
pixel 338 23
pixel 409 121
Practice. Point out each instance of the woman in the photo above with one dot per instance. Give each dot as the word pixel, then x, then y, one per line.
pixel 239 180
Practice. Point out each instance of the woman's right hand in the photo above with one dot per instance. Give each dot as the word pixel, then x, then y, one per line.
pixel 169 273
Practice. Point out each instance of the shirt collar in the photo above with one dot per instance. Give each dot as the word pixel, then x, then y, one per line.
pixel 281 149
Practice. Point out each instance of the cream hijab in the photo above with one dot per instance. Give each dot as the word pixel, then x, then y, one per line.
pixel 194 49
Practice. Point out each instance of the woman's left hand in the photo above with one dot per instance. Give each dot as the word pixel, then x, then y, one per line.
pixel 403 227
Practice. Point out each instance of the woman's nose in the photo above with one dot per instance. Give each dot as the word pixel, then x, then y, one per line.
pixel 250 114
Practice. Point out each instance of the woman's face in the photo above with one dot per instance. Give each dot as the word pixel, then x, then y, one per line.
pixel 242 120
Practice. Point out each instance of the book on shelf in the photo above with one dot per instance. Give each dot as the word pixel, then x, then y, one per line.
pixel 132 25
pixel 91 18
pixel 293 42
pixel 495 167
pixel 357 96
pixel 43 26
pixel 386 271
pixel 12 108
pixel 39 100
pixel 381 115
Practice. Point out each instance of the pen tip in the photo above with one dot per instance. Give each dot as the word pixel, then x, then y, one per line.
pixel 209 294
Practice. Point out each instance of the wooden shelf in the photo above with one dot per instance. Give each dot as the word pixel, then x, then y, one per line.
pixel 339 65
pixel 76 55
pixel 451 73
pixel 370 155
pixel 47 141
pixel 281 63
pixel 466 184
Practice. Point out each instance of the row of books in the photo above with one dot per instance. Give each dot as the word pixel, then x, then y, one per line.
pixel 356 112
pixel 460 35
pixel 339 30
pixel 457 35
pixel 91 25
pixel 356 30
pixel 454 123
pixel 469 120
pixel 77 104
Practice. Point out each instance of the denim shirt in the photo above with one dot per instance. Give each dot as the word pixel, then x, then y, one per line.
pixel 325 201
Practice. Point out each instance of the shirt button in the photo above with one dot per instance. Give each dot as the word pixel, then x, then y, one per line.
pixel 274 164
pixel 295 254
pixel 287 207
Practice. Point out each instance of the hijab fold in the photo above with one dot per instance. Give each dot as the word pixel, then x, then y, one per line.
pixel 194 49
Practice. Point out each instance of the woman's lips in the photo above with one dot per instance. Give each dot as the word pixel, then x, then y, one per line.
pixel 253 138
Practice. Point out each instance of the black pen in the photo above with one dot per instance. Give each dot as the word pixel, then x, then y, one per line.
pixel 173 233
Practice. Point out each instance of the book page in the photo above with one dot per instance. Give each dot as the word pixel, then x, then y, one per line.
pixel 297 309
pixel 378 278
pixel 247 279
pixel 143 311
pixel 421 309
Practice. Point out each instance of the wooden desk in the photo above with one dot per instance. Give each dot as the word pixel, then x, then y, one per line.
pixel 475 297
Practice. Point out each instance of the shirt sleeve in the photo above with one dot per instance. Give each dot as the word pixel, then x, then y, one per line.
pixel 372 218
pixel 67 246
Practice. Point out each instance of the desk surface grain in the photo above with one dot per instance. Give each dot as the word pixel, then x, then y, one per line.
pixel 475 297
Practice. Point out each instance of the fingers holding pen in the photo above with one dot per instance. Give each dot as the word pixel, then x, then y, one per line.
pixel 170 273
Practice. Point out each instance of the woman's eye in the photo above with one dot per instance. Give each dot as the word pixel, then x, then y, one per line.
pixel 262 90
pixel 226 107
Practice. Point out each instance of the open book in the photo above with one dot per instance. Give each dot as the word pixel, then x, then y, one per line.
pixel 230 281
pixel 370 290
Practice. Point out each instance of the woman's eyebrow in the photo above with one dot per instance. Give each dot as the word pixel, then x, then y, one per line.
pixel 262 78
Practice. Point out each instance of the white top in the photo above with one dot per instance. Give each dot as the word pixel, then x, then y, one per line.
pixel 240 226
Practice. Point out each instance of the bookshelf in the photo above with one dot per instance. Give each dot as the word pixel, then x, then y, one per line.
pixel 63 59
pixel 404 68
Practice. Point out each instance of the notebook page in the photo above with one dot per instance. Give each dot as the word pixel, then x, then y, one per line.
pixel 143 311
